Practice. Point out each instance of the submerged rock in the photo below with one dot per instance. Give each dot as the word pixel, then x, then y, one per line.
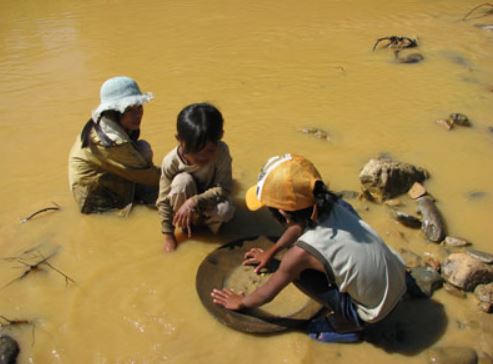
pixel 406 219
pixel 466 272
pixel 459 119
pixel 484 295
pixel 432 224
pixel 317 133
pixel 9 349
pixel 452 355
pixel 383 179
pixel 427 280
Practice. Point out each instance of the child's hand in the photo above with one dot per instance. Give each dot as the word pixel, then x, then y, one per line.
pixel 228 299
pixel 183 217
pixel 257 256
pixel 169 243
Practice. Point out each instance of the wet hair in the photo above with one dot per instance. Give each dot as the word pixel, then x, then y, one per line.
pixel 114 115
pixel 324 199
pixel 198 124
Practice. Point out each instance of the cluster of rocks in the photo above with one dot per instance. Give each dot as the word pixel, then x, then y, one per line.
pixel 460 269
pixel 454 119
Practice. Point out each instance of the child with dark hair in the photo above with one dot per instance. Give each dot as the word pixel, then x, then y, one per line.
pixel 363 279
pixel 196 178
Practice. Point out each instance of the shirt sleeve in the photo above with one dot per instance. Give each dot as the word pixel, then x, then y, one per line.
pixel 165 210
pixel 125 161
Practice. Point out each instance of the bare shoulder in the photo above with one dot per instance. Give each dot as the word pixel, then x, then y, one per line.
pixel 295 260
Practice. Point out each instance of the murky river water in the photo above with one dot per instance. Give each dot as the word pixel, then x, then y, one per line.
pixel 272 68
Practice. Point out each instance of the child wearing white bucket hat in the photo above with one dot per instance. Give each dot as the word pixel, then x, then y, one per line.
pixel 336 257
pixel 109 167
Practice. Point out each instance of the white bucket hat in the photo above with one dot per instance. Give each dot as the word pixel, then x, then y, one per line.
pixel 118 93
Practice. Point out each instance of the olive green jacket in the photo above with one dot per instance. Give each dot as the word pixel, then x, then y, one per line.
pixel 104 177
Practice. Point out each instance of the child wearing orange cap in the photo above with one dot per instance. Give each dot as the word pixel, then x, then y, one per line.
pixel 365 279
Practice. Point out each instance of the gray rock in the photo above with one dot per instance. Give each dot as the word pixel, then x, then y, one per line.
pixel 466 272
pixel 455 242
pixel 9 349
pixel 432 224
pixel 482 256
pixel 406 219
pixel 484 294
pixel 460 119
pixel 427 280
pixel 383 179
pixel 452 355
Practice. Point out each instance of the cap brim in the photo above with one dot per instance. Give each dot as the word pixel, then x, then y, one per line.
pixel 251 200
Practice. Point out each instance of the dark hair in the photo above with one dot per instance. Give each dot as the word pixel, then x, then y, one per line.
pixel 114 115
pixel 198 124
pixel 324 199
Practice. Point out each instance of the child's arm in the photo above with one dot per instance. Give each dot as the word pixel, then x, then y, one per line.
pixel 293 262
pixel 262 258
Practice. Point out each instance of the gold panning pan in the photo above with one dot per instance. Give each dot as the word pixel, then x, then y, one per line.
pixel 222 268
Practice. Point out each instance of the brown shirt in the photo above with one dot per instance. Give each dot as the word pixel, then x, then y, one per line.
pixel 103 178
pixel 214 181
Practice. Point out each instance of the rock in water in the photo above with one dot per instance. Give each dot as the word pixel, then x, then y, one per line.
pixel 466 272
pixel 383 179
pixel 432 223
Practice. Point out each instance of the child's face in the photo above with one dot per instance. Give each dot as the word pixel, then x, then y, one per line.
pixel 203 157
pixel 132 117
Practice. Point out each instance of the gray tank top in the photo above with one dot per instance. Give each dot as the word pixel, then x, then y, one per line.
pixel 357 261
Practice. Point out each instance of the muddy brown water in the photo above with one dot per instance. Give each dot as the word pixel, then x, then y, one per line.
pixel 273 68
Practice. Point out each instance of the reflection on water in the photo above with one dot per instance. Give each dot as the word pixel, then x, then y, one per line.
pixel 273 71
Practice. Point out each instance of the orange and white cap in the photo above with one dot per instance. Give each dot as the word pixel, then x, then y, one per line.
pixel 285 182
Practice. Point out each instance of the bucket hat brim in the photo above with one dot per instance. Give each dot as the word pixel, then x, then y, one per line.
pixel 122 104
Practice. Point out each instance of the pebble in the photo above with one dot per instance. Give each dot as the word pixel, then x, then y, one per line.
pixel 482 256
pixel 417 190
pixel 455 242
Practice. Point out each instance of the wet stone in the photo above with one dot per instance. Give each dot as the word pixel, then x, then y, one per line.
pixel 384 179
pixel 417 190
pixel 427 280
pixel 484 295
pixel 476 195
pixel 459 119
pixel 9 349
pixel 452 355
pixel 445 123
pixel 480 255
pixel 317 133
pixel 466 272
pixel 406 219
pixel 394 202
pixel 455 242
